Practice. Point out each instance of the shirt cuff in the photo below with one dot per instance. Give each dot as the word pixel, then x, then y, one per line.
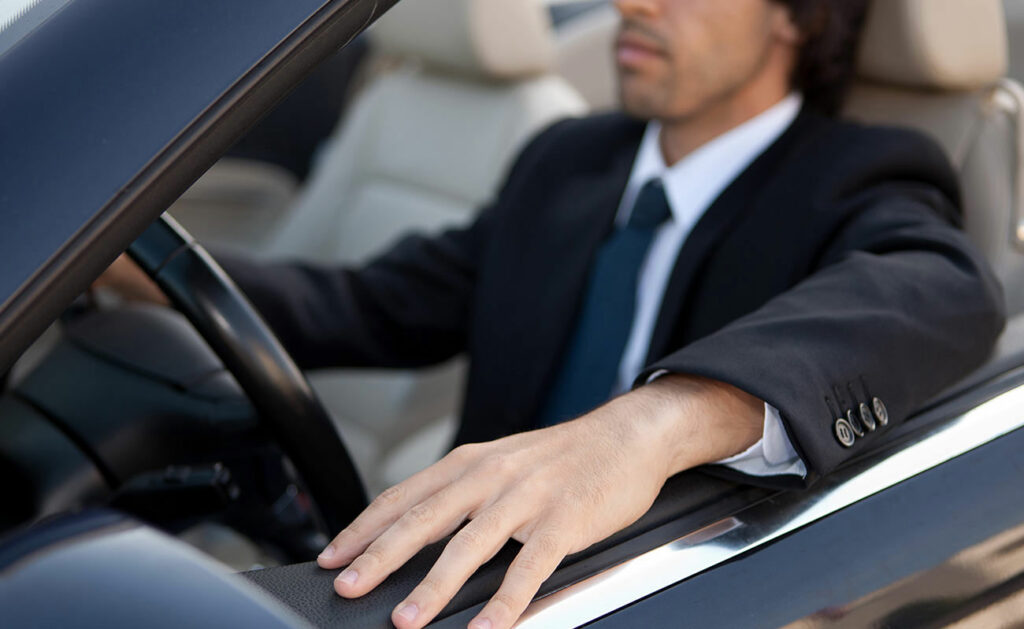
pixel 772 455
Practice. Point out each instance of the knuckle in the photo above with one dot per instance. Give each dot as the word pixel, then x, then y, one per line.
pixel 470 539
pixel 541 552
pixel 466 452
pixel 432 585
pixel 422 514
pixel 546 544
pixel 353 533
pixel 375 554
pixel 390 496
pixel 349 532
pixel 492 518
pixel 495 466
pixel 539 494
pixel 507 601
pixel 528 566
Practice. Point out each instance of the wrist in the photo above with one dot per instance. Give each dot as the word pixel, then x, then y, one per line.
pixel 695 421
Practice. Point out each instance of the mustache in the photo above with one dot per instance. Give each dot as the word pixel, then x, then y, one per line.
pixel 638 31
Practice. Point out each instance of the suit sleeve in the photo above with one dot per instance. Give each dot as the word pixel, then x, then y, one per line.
pixel 899 306
pixel 409 307
pixel 406 308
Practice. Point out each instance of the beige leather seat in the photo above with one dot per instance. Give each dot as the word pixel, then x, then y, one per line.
pixel 428 143
pixel 939 66
pixel 1015 29
pixel 586 58
pixel 935 65
pixel 424 147
pixel 239 204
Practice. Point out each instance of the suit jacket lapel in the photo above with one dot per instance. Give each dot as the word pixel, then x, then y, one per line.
pixel 726 211
pixel 582 214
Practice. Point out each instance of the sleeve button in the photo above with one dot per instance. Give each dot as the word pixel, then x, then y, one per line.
pixel 867 418
pixel 851 418
pixel 844 433
pixel 881 413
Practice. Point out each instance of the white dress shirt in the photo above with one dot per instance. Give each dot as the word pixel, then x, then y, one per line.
pixel 692 184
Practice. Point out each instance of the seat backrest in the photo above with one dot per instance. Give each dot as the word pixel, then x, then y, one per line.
pixel 935 65
pixel 427 144
pixel 1015 32
pixel 586 56
pixel 939 66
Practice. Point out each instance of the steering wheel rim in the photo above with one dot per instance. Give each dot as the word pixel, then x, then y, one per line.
pixel 277 388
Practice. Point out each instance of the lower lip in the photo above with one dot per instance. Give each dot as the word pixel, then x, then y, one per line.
pixel 634 55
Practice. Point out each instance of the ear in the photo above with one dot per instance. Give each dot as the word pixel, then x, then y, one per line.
pixel 784 28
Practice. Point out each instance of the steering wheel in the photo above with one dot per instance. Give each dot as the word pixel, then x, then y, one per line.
pixel 280 393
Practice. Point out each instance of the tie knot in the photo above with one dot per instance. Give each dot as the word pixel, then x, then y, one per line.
pixel 651 207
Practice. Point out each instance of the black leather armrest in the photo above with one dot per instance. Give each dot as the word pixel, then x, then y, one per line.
pixel 687 502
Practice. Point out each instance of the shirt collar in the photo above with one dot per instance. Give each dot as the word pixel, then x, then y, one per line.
pixel 694 182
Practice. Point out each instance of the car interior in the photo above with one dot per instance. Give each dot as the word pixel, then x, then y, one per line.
pixel 403 145
pixel 434 114
pixel 427 137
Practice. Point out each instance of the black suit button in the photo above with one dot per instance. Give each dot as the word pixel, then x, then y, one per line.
pixel 881 413
pixel 844 433
pixel 851 418
pixel 867 418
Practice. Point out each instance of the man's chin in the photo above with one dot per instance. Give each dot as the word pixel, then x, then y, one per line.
pixel 640 97
pixel 637 107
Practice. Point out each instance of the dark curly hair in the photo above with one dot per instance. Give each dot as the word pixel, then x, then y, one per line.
pixel 831 31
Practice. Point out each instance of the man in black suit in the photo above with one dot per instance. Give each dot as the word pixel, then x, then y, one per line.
pixel 778 288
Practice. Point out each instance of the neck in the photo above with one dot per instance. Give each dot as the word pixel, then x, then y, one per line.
pixel 682 135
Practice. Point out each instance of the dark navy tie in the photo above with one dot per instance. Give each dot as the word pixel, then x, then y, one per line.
pixel 590 364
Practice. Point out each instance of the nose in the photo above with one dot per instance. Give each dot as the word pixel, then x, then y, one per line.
pixel 633 9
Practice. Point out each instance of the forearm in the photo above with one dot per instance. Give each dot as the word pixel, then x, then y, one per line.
pixel 901 307
pixel 299 304
pixel 406 308
pixel 685 421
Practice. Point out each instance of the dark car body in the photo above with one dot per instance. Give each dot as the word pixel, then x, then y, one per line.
pixel 110 110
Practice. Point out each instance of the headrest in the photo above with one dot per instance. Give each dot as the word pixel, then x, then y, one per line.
pixel 494 39
pixel 940 44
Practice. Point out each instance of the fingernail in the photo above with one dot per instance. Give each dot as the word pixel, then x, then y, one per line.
pixel 409 612
pixel 328 552
pixel 480 623
pixel 348 577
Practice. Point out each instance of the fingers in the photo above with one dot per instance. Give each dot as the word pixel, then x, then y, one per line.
pixel 425 523
pixel 472 547
pixel 533 565
pixel 471 482
pixel 384 511
pixel 127 279
pixel 374 520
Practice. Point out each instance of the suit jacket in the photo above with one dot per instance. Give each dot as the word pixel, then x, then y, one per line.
pixel 829 273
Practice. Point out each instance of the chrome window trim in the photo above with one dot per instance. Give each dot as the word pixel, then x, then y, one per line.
pixel 761 523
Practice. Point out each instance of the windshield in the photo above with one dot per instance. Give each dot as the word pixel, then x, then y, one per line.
pixel 19 17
